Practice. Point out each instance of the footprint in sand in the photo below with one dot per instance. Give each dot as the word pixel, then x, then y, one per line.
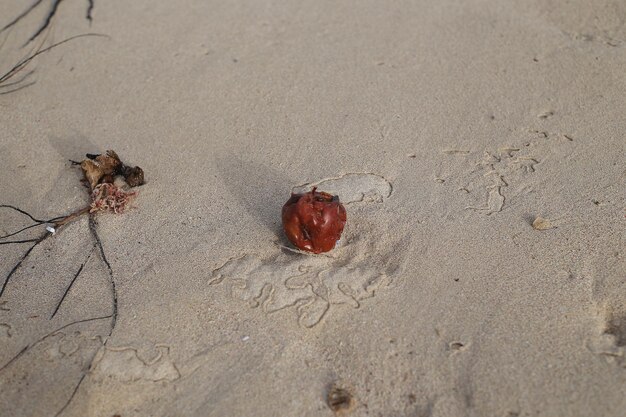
pixel 610 342
pixel 313 285
pixel 609 294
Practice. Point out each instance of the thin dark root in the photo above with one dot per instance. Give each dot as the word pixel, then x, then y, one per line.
pixel 14 358
pixel 89 10
pixel 69 400
pixel 28 74
pixel 94 232
pixel 41 339
pixel 20 65
pixel 46 23
pixel 10 242
pixel 56 221
pixel 48 19
pixel 67 290
pixel 22 259
pixel 18 88
pixel 113 316
pixel 20 231
pixel 21 16
pixel 19 210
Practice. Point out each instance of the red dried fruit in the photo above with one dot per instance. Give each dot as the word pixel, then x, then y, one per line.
pixel 314 221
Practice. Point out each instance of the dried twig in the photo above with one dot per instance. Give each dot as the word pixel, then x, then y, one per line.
pixel 19 263
pixel 94 232
pixel 76 275
pixel 48 19
pixel 21 16
pixel 25 61
pixel 41 339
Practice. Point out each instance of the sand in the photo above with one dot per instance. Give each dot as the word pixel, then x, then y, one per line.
pixel 478 147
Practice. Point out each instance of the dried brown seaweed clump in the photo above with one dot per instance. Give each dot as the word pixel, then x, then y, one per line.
pixel 109 197
pixel 110 181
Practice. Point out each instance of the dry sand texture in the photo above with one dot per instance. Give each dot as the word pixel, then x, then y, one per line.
pixel 448 127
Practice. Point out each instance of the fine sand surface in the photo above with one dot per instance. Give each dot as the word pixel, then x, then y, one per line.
pixel 447 128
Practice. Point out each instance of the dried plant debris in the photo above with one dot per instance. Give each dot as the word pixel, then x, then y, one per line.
pixel 47 21
pixel 542 224
pixel 110 181
pixel 100 168
pixel 109 197
pixel 111 185
pixel 107 168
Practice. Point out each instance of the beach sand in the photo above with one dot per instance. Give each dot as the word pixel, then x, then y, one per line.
pixel 445 127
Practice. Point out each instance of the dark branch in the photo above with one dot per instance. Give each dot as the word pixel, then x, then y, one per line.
pixel 14 358
pixel 19 263
pixel 89 9
pixel 21 230
pixel 94 232
pixel 22 211
pixel 41 339
pixel 20 65
pixel 80 321
pixel 113 315
pixel 57 221
pixel 21 16
pixel 67 290
pixel 18 88
pixel 11 242
pixel 69 400
pixel 47 21
pixel 28 74
pixel 82 378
